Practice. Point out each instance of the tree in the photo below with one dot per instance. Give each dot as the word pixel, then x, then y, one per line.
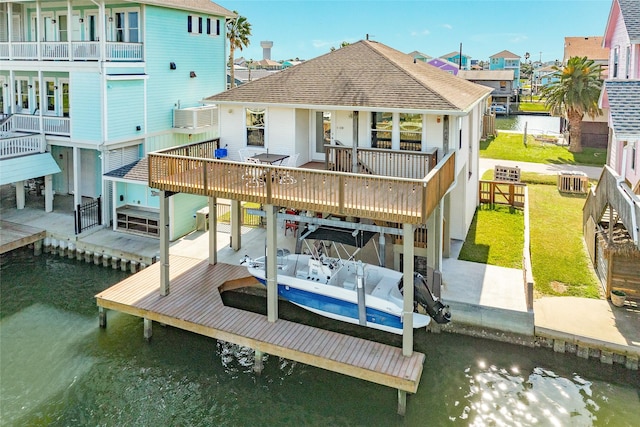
pixel 574 92
pixel 238 32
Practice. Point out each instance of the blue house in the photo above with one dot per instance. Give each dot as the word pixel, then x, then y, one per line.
pixel 462 60
pixel 94 86
pixel 506 60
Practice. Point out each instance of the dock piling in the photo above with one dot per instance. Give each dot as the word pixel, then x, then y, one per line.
pixel 148 329
pixel 258 365
pixel 402 402
pixel 102 317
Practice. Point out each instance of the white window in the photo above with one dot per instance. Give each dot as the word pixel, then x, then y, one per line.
pixel 381 127
pixel 255 127
pixel 410 132
pixel 127 26
pixel 213 27
pixel 50 100
pixel 194 24
pixel 22 95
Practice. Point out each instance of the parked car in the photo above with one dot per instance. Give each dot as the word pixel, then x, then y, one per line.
pixel 498 109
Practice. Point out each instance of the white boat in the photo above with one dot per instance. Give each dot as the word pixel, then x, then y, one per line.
pixel 347 290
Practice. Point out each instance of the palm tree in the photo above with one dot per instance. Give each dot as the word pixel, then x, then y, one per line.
pixel 238 32
pixel 573 93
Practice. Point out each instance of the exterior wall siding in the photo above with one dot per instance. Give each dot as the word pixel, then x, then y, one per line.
pixel 125 109
pixel 160 142
pixel 182 211
pixel 166 41
pixel 86 106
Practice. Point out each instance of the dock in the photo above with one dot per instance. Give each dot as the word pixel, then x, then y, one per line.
pixel 195 305
pixel 14 236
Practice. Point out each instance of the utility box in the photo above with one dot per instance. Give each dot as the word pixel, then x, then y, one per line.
pixel 573 182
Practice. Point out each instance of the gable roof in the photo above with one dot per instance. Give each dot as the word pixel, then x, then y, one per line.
pixel 624 101
pixel 629 12
pixel 365 75
pixel 203 6
pixel 505 54
pixel 453 55
pixel 591 47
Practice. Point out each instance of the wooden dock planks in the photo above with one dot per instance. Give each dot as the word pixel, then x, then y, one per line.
pixel 194 304
pixel 14 236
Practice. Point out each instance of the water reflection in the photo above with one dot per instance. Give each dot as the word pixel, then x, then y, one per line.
pixel 59 368
pixel 535 123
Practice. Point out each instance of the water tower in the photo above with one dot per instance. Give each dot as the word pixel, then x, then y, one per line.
pixel 266 49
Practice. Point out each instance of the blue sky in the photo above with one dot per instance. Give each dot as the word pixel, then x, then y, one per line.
pixel 309 28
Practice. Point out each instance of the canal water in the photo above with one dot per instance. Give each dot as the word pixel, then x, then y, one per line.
pixel 57 367
pixel 535 123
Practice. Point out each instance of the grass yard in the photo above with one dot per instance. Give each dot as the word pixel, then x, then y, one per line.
pixel 509 146
pixel 559 259
pixel 532 106
pixel 493 235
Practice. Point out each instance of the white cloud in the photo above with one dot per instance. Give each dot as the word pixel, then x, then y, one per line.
pixel 447 26
pixel 424 32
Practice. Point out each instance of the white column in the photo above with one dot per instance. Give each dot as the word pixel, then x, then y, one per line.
pixel 42 90
pixel 434 238
pixel 10 31
pixel 395 132
pixel 407 277
pixel 271 263
pixel 213 231
pixel 69 29
pixel 236 227
pixel 164 243
pixel 48 193
pixel 20 196
pixel 77 198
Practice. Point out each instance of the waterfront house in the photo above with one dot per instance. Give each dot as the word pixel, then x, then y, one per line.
pixel 100 84
pixel 506 60
pixel 462 60
pixel 419 56
pixel 365 95
pixel 612 210
pixel 445 65
pixel 501 81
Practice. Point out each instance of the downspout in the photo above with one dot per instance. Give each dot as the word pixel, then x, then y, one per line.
pixel 103 95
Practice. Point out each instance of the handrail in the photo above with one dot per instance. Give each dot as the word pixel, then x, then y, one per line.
pixel 404 200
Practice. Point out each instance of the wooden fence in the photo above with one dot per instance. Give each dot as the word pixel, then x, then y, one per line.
pixel 502 193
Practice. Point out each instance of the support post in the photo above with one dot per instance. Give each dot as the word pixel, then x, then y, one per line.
pixel 236 226
pixel 164 243
pixel 407 277
pixel 102 317
pixel 402 402
pixel 37 248
pixel 354 153
pixel 271 263
pixel 434 238
pixel 383 251
pixel 213 231
pixel 148 329
pixel 446 227
pixel 258 365
pixel 20 197
pixel 77 197
pixel 48 192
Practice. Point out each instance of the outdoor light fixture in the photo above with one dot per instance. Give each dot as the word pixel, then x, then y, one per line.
pixel 138 128
pixel 30 86
pixel 81 20
pixel 172 65
pixel 56 87
pixel 111 19
pixel 192 74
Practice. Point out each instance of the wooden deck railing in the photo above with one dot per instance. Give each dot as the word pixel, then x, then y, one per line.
pixel 502 193
pixel 401 200
pixel 405 164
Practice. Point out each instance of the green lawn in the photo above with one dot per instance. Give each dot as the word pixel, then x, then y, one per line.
pixel 559 260
pixel 509 146
pixel 493 237
pixel 532 106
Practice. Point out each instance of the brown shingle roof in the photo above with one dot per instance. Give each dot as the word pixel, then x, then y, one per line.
pixel 492 75
pixel 203 6
pixel 364 75
pixel 591 47
pixel 136 171
pixel 505 54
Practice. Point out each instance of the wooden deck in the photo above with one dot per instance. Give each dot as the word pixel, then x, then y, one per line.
pixel 14 236
pixel 194 304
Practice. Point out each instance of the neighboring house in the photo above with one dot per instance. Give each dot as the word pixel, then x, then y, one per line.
pixel 595 131
pixel 542 77
pixel 419 56
pixel 592 47
pixel 501 81
pixel 368 95
pixel 464 61
pixel 612 210
pixel 102 96
pixel 243 75
pixel 266 64
pixel 290 63
pixel 444 65
pixel 506 60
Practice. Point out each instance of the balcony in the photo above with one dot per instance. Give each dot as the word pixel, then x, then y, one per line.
pixel 27 123
pixel 21 145
pixel 195 119
pixel 193 170
pixel 70 51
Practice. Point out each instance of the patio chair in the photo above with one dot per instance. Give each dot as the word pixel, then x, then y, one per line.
pixel 252 175
pixel 292 163
pixel 291 225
